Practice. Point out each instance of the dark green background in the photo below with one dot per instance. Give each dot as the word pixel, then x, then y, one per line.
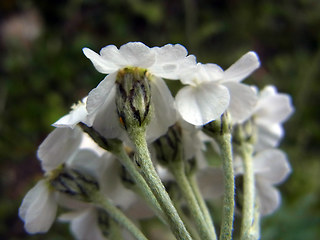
pixel 41 78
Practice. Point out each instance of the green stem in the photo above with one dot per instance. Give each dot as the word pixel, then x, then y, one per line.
pixel 149 173
pixel 115 231
pixel 117 215
pixel 224 142
pixel 204 209
pixel 246 151
pixel 180 176
pixel 187 221
pixel 256 223
pixel 145 190
pixel 115 146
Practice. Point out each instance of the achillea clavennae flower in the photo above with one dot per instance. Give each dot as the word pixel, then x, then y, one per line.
pixel 271 111
pixel 211 91
pixel 163 62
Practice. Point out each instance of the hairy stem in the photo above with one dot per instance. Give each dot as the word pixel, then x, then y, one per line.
pixel 224 142
pixel 117 215
pixel 137 135
pixel 202 204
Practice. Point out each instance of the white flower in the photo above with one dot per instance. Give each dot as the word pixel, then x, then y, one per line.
pixel 77 114
pixel 38 208
pixel 271 167
pixel 271 111
pixel 84 216
pixel 69 146
pixel 211 91
pixel 160 62
pixel 84 223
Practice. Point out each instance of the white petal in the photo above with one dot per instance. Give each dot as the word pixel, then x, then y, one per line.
pixel 112 185
pixel 274 109
pixel 112 54
pixel 137 54
pixel 268 136
pixel 164 113
pixel 202 104
pixel 192 142
pixel 87 161
pixel 85 226
pixel 88 143
pixel 106 120
pixel 101 64
pixel 272 166
pixel 168 60
pixel 242 101
pixel 270 198
pixel 200 73
pixel 99 95
pixel 242 68
pixel 69 216
pixel 139 210
pixel 67 202
pixel 38 209
pixel 268 91
pixel 73 118
pixel 210 181
pixel 58 147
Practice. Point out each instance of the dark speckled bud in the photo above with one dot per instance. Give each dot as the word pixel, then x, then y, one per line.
pixel 133 97
pixel 74 183
pixel 169 147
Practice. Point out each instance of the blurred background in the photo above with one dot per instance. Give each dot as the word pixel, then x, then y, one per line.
pixel 43 72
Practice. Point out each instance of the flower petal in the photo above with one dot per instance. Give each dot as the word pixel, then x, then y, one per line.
pixel 272 166
pixel 164 113
pixel 242 68
pixel 269 197
pixel 112 54
pixel 202 104
pixel 168 60
pixel 137 54
pixel 88 143
pixel 79 114
pixel 195 74
pixel 274 109
pixel 102 64
pixel 38 208
pixel 85 225
pixel 99 95
pixel 58 147
pixel 111 127
pixel 242 101
pixel 269 136
pixel 210 182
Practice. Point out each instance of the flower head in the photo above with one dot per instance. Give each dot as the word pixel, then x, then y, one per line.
pixel 163 62
pixel 62 146
pixel 271 111
pixel 212 91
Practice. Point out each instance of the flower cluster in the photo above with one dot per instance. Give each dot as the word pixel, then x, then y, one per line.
pixel 107 161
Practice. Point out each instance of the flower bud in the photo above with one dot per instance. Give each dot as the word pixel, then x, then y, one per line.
pixel 191 166
pixel 169 147
pixel 104 222
pixel 133 97
pixel 126 178
pixel 73 183
pixel 219 126
pixel 245 132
